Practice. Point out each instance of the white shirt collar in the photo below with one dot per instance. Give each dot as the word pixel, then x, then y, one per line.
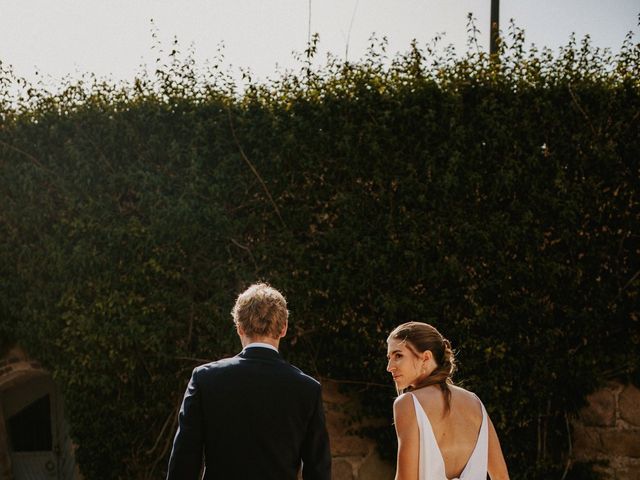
pixel 260 344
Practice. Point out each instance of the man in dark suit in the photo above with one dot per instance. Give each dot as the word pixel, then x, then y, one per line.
pixel 253 416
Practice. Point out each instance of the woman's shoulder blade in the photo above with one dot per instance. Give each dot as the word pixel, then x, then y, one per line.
pixel 468 395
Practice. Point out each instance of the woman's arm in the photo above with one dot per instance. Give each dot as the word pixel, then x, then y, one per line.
pixel 404 416
pixel 497 466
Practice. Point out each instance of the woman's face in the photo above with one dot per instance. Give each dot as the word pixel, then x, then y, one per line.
pixel 404 365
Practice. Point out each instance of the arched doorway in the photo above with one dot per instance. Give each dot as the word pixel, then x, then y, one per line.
pixel 34 440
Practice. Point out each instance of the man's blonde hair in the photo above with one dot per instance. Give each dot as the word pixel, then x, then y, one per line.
pixel 261 311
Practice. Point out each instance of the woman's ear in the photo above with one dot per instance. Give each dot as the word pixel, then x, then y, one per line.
pixel 427 355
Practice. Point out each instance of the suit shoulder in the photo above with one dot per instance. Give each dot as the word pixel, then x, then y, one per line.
pixel 215 365
pixel 305 378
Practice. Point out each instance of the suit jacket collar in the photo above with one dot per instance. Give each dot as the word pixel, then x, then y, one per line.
pixel 261 353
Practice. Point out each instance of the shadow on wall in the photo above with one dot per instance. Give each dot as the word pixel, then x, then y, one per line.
pixel 34 438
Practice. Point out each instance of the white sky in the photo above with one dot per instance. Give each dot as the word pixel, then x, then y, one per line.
pixel 112 38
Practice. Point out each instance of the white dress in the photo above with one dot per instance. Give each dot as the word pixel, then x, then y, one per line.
pixel 431 461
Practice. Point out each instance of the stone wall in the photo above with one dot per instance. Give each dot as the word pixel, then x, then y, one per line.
pixel 607 432
pixel 354 457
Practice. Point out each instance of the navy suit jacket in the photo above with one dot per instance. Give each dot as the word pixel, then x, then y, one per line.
pixel 252 417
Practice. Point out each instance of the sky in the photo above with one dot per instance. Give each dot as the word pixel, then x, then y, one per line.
pixel 48 39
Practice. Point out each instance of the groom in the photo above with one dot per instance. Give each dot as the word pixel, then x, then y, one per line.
pixel 253 416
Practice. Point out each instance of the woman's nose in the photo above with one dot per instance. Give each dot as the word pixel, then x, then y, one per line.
pixel 389 366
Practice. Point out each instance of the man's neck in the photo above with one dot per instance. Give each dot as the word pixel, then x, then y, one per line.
pixel 265 346
pixel 268 340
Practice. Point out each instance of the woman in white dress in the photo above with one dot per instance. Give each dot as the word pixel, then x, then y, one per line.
pixel 444 431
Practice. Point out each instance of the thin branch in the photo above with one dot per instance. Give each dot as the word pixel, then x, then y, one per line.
pixel 569 459
pixel 253 169
pixel 167 443
pixel 164 427
pixel 314 350
pixel 193 359
pixel 33 159
pixel 353 17
pixel 361 382
pixel 309 26
pixel 617 372
pixel 60 189
pixel 190 334
pixel 577 103
pixel 635 275
pixel 248 250
pixel 539 437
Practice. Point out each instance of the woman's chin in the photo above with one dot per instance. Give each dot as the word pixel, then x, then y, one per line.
pixel 401 385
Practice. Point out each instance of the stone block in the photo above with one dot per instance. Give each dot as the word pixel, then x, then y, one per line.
pixel 629 405
pixel 627 472
pixel 336 421
pixel 627 469
pixel 350 446
pixel 331 393
pixel 600 410
pixel 605 472
pixel 586 442
pixel 374 468
pixel 341 469
pixel 623 443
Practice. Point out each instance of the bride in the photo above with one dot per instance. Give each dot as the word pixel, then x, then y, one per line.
pixel 444 432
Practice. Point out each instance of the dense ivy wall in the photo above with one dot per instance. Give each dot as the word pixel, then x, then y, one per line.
pixel 496 200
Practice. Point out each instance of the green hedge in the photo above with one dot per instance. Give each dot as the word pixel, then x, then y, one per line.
pixel 497 200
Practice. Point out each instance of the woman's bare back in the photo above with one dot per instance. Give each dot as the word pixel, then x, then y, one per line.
pixel 456 432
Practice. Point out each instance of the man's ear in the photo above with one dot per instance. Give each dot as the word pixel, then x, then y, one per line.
pixel 284 329
pixel 239 330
